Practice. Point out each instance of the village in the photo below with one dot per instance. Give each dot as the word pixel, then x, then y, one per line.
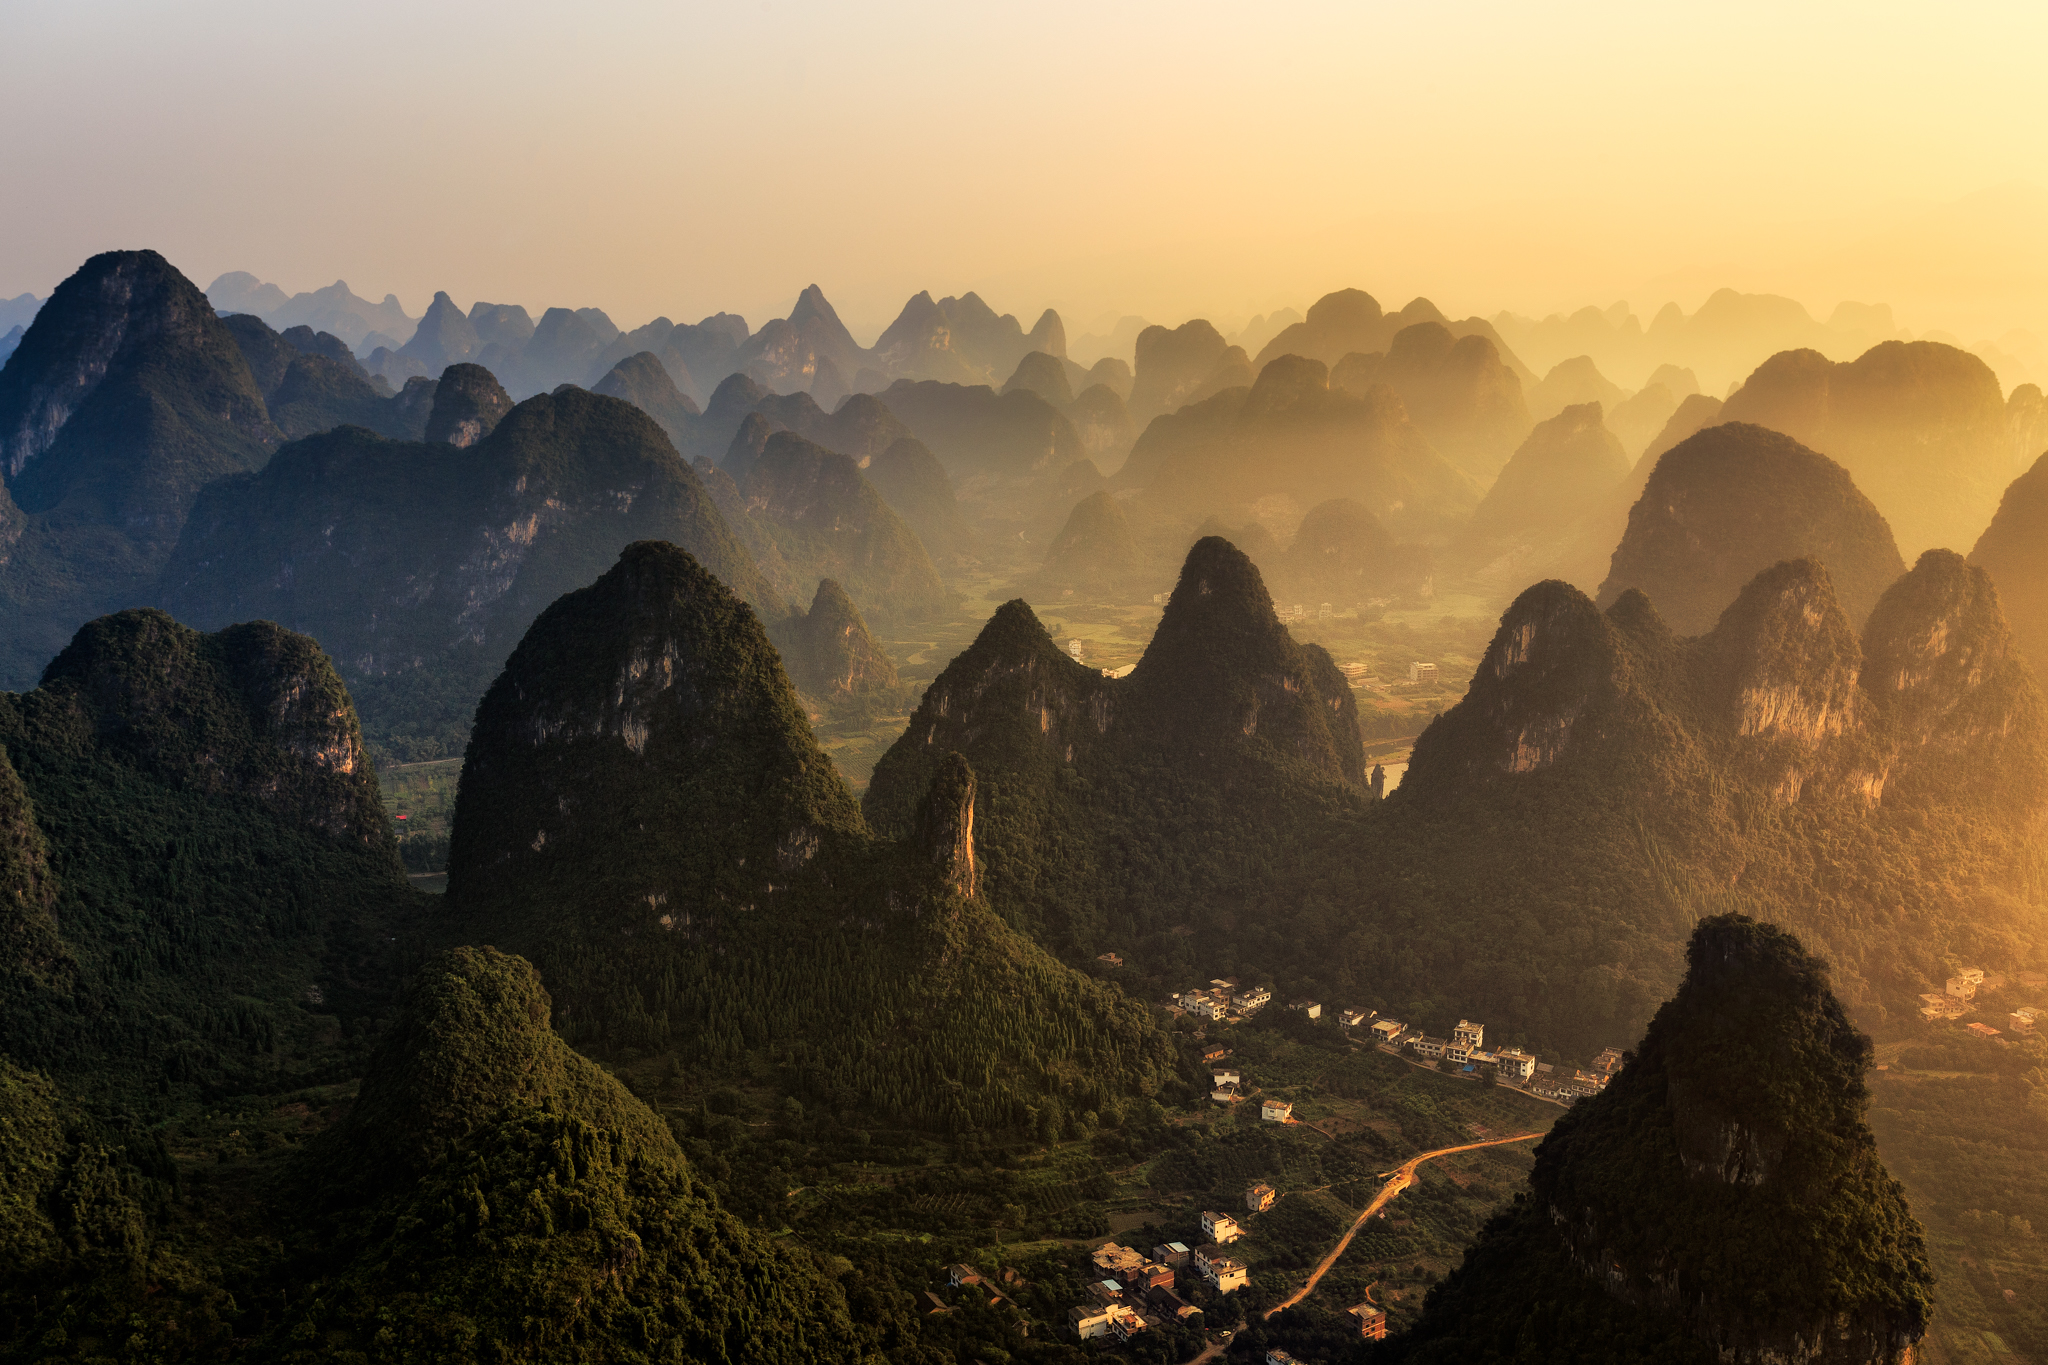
pixel 1141 1292
pixel 1464 1053
pixel 1959 997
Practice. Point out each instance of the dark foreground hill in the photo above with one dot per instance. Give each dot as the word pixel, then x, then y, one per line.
pixel 645 813
pixel 493 1193
pixel 1692 1212
pixel 200 879
pixel 419 566
pixel 125 397
pixel 1733 500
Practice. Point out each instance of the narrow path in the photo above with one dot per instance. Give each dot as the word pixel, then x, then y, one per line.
pixel 1397 1181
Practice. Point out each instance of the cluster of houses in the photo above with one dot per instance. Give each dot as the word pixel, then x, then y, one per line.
pixel 1958 997
pixel 1140 1293
pixel 1225 1000
pixel 1466 1050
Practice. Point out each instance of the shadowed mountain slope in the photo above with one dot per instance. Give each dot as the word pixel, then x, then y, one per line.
pixel 126 396
pixel 1733 500
pixel 1624 1248
pixel 644 810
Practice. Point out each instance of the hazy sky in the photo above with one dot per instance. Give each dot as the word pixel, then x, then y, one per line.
pixel 1165 159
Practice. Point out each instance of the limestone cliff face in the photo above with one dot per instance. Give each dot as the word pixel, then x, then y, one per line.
pixel 1788 659
pixel 945 826
pixel 1551 666
pixel 1684 1187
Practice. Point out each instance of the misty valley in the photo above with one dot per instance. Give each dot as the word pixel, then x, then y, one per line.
pixel 1353 836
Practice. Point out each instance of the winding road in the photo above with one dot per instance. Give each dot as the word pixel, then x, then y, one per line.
pixel 1397 1181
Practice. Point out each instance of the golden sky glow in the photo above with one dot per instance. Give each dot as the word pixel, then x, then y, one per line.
pixel 1165 159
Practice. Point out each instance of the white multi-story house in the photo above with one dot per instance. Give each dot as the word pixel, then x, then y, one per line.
pixel 1468 1034
pixel 1220 1228
pixel 1516 1064
pixel 1224 1271
pixel 1388 1030
pixel 1276 1111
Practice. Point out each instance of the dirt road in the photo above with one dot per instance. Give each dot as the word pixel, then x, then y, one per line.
pixel 1397 1181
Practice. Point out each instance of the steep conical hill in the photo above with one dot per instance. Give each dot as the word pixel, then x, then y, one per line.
pixel 1920 425
pixel 1227 737
pixel 832 655
pixel 643 809
pixel 1341 554
pixel 126 396
pixel 1556 478
pixel 1733 499
pixel 1689 1201
pixel 491 1185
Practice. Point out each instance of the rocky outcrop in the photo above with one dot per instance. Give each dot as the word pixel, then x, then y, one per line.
pixel 1045 375
pixel 945 826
